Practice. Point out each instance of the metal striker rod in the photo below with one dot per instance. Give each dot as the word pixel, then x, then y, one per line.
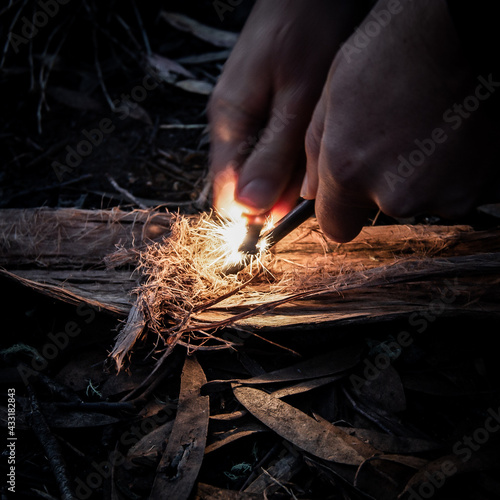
pixel 290 221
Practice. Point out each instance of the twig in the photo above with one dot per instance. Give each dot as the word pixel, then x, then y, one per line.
pixel 128 30
pixel 366 414
pixel 99 73
pixel 45 71
pixel 51 447
pixel 281 485
pixel 10 31
pixel 129 196
pixel 7 7
pixel 374 221
pixel 141 27
pixel 6 201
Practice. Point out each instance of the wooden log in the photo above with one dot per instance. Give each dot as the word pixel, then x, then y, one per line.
pixel 72 239
pixel 62 252
pixel 386 272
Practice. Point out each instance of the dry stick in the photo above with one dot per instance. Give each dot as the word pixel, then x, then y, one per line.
pixel 128 30
pixel 129 196
pixel 51 447
pixel 32 66
pixel 8 7
pixel 141 27
pixel 43 76
pixel 113 39
pixel 10 31
pixel 99 72
pixel 41 189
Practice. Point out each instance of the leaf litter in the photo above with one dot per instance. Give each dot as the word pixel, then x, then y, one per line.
pixel 316 436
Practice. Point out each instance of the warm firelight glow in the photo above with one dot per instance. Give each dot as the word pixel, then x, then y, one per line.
pixel 230 229
pixel 229 234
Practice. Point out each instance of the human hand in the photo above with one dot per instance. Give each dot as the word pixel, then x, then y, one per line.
pixel 403 124
pixel 263 102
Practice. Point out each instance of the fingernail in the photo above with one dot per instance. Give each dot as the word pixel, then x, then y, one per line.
pixel 258 194
pixel 304 190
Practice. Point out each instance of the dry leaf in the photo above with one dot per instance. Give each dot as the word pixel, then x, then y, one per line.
pixel 179 466
pixel 307 385
pixel 234 434
pixel 165 67
pixel 325 364
pixel 151 444
pixel 67 419
pixel 221 55
pixel 434 475
pixel 385 390
pixel 328 443
pixel 389 443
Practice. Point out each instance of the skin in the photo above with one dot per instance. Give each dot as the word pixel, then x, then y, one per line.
pixel 266 96
pixel 402 86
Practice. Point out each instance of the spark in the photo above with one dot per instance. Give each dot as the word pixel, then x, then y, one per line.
pixel 224 236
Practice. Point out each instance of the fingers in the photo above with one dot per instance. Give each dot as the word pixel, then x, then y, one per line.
pixel 231 129
pixel 341 209
pixel 272 173
pixel 314 137
pixel 340 217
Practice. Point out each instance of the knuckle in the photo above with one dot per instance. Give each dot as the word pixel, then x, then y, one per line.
pixel 345 168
